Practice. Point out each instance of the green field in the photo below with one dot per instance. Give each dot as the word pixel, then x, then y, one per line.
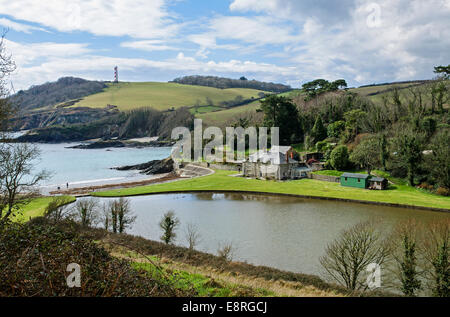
pixel 36 208
pixel 221 180
pixel 162 96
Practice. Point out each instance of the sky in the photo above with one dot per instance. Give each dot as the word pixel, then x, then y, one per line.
pixel 283 41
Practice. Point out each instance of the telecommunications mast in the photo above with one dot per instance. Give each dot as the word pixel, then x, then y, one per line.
pixel 116 74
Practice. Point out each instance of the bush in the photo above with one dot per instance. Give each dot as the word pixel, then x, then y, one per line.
pixel 34 258
pixel 339 158
pixel 443 191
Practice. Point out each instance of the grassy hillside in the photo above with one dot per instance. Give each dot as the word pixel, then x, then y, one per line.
pixel 226 116
pixel 162 96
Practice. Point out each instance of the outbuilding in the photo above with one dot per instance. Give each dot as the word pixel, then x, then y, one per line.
pixel 355 180
pixel 378 183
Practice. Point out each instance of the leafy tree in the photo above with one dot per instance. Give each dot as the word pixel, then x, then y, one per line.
pixel 280 112
pixel 319 132
pixel 169 223
pixel 405 243
pixel 437 254
pixel 339 158
pixel 320 86
pixel 408 145
pixel 366 154
pixel 444 71
pixel 353 121
pixel 335 129
pixel 439 161
pixel 384 153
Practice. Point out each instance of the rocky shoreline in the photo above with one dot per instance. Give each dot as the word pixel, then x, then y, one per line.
pixel 104 144
pixel 151 168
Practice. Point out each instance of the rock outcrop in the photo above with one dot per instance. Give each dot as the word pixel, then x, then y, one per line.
pixel 152 167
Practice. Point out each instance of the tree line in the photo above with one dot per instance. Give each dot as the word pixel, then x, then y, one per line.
pixel 49 94
pixel 225 83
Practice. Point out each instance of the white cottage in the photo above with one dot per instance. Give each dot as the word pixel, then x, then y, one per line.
pixel 278 164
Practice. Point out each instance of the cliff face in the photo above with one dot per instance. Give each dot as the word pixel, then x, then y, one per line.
pixel 61 116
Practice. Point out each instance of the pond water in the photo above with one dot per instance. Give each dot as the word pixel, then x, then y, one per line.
pixel 282 232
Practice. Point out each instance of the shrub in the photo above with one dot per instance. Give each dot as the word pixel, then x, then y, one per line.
pixel 443 191
pixel 339 157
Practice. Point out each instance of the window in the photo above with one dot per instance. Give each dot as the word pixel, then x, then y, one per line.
pixel 346 179
pixel 359 180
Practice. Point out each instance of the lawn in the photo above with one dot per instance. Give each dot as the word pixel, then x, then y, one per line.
pixel 36 208
pixel 161 96
pixel 221 181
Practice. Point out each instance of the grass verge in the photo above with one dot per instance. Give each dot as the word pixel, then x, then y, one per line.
pixel 36 208
pixel 221 181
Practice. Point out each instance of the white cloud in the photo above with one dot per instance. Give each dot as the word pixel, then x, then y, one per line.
pixel 136 18
pixel 19 27
pixel 148 45
pixel 337 41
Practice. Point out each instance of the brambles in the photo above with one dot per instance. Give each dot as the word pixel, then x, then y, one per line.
pixel 34 257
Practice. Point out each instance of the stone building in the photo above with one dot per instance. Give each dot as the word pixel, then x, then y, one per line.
pixel 276 164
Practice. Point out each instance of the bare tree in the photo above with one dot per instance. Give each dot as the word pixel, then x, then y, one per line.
pixel 57 209
pixel 349 256
pixel 192 236
pixel 85 212
pixel 106 216
pixel 169 223
pixel 121 215
pixel 17 180
pixel 7 66
pixel 225 251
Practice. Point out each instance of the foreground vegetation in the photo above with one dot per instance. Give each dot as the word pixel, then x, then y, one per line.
pixel 118 265
pixel 222 181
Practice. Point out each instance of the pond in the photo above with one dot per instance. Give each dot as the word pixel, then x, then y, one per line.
pixel 282 232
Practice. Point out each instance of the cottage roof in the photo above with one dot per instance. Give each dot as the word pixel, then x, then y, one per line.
pixel 352 175
pixel 281 149
pixel 276 156
pixel 377 179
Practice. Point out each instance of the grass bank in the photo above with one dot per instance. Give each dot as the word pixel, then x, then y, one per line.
pixel 209 275
pixel 36 208
pixel 221 181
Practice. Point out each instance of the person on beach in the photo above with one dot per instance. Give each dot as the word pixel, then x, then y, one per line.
pixel 67 185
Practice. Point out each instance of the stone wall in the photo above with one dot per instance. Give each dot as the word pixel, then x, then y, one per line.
pixel 326 178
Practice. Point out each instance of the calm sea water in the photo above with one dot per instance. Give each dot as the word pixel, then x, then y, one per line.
pixel 93 167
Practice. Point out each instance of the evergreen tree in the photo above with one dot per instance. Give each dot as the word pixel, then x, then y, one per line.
pixel 319 132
